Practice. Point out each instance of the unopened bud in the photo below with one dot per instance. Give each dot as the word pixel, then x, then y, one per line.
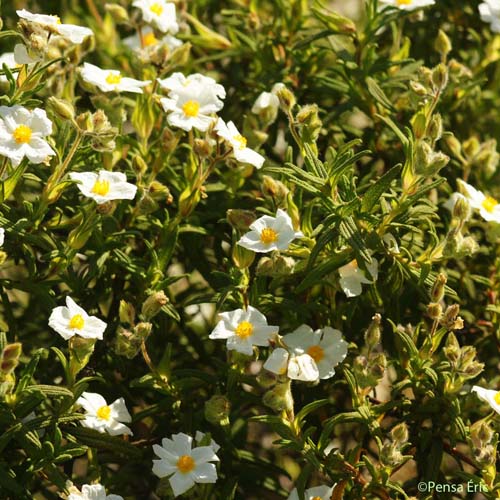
pixel 453 143
pixel 399 433
pixel 143 329
pixel 240 219
pixel 153 304
pixel 274 188
pixel 286 98
pixel 267 379
pixel 442 44
pixel 471 147
pixel 452 348
pixel 202 148
pixel 242 257
pixel 140 166
pixel 63 109
pixel 378 365
pixel 279 398
pixel 217 410
pixel 440 76
pixel 437 292
pixel 10 358
pixel 117 12
pixel 418 88
pixel 169 140
pixel 436 127
pixel 126 312
pixel 434 310
pixel 372 334
pixel 127 343
pixel 461 209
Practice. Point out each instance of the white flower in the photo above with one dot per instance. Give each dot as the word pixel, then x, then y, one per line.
pixel 192 100
pixel 265 101
pixel 73 320
pixel 104 418
pixel 491 397
pixel 312 355
pixel 488 207
pixel 149 39
pixel 297 367
pixel 75 34
pixel 21 55
pixel 2 236
pixel 490 13
pixel 230 133
pixel 9 60
pixel 406 4
pixel 316 493
pixel 352 277
pixel 270 233
pixel 183 464
pixel 104 186
pixel 243 329
pixel 111 80
pixel 159 13
pixel 22 132
pixel 89 492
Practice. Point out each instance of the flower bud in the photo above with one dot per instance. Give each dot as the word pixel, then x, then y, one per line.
pixel 461 209
pixel 63 109
pixel 440 76
pixel 117 12
pixel 267 379
pixel 451 320
pixel 399 433
pixel 452 349
pixel 437 292
pixel 453 144
pixel 139 165
pixel 279 398
pixel 434 310
pixel 10 358
pixel 143 329
pixel 242 257
pixel 153 304
pixel 217 410
pixel 372 334
pixel 169 140
pixel 126 312
pixel 80 350
pixel 202 148
pixel 377 366
pixel 436 127
pixel 418 88
pixel 442 44
pixel 471 147
pixel 127 343
pixel 308 119
pixel 286 98
pixel 274 188
pixel 240 219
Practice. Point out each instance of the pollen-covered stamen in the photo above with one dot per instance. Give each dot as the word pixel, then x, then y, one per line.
pixel 104 412
pixel 22 134
pixel 185 464
pixel 244 329
pixel 316 352
pixel 101 187
pixel 316 498
pixel 404 2
pixel 149 39
pixel 77 322
pixel 489 204
pixel 241 141
pixel 268 236
pixel 191 108
pixel 497 398
pixel 113 78
pixel 156 9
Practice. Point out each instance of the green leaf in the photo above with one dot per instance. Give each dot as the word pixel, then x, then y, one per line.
pixel 8 185
pixel 378 94
pixel 299 418
pixel 376 190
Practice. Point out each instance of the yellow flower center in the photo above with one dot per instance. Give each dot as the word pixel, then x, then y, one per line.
pixel 114 78
pixel 241 140
pixel 268 236
pixel 185 464
pixel 316 352
pixel 244 329
pixel 101 187
pixel 316 498
pixel 404 2
pixel 149 39
pixel 22 134
pixel 57 19
pixel 77 322
pixel 489 204
pixel 104 412
pixel 191 108
pixel 497 398
pixel 156 9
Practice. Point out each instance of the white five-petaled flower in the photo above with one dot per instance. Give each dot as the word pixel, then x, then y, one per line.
pixel 104 186
pixel 352 277
pixel 103 417
pixel 199 438
pixel 489 396
pixel 243 329
pixel 72 32
pixel 316 493
pixel 184 465
pixel 406 4
pixel 192 101
pixel 270 233
pixel 89 492
pixel 158 13
pixel 488 207
pixel 22 133
pixel 490 13
pixel 111 80
pixel 147 39
pixel 309 355
pixel 73 320
pixel 231 134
